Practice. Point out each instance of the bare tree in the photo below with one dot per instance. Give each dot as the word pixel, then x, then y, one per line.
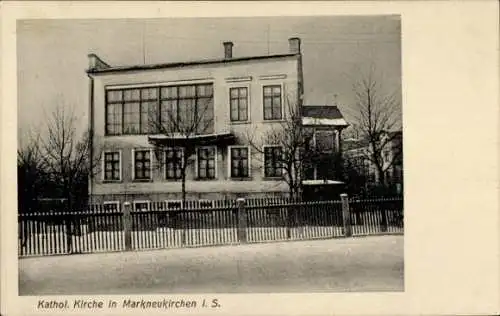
pixel 29 174
pixel 298 150
pixel 180 124
pixel 376 114
pixel 66 156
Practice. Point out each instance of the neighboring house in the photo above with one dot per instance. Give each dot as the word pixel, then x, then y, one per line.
pixel 357 155
pixel 242 93
pixel 323 173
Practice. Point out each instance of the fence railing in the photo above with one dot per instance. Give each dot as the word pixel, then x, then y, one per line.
pixel 103 228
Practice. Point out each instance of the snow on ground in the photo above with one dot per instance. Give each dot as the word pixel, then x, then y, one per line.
pixel 373 263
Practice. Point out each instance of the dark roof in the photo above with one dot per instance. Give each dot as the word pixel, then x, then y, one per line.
pixel 321 111
pixel 184 64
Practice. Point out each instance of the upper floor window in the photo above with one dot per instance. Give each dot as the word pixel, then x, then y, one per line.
pixel 273 161
pixel 173 163
pixel 206 162
pixel 142 164
pixel 272 102
pixel 240 162
pixel 187 108
pixel 112 166
pixel 147 110
pixel 239 104
pixel 131 111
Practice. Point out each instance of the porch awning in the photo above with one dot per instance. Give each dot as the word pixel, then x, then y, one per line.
pixel 321 182
pixel 221 139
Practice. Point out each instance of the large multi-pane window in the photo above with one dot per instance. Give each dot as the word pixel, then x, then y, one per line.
pixel 206 163
pixel 239 162
pixel 238 98
pixel 147 110
pixel 173 163
pixel 187 108
pixel 272 102
pixel 114 112
pixel 142 164
pixel 273 161
pixel 131 111
pixel 112 166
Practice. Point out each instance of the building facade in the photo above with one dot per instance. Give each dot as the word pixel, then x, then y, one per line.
pixel 225 100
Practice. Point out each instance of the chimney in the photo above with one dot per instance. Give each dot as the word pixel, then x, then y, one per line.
pixel 294 45
pixel 228 50
pixel 96 63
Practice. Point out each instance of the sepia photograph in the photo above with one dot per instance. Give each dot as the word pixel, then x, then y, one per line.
pixel 210 155
pixel 246 158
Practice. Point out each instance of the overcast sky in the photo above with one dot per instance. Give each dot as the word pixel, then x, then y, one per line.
pixel 52 54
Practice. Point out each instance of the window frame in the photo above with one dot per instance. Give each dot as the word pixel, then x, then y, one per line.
pixel 157 101
pixel 140 101
pixel 264 175
pixel 115 202
pixel 282 92
pixel 326 131
pixel 196 97
pixel 314 173
pixel 173 201
pixel 197 170
pixel 239 86
pixel 200 201
pixel 106 104
pixel 134 202
pixel 120 169
pixel 165 168
pixel 134 178
pixel 230 159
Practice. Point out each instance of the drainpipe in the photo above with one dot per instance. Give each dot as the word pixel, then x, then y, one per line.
pixel 91 136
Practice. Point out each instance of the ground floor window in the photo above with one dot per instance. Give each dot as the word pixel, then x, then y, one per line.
pixel 112 166
pixel 273 161
pixel 142 164
pixel 206 162
pixel 239 162
pixel 173 163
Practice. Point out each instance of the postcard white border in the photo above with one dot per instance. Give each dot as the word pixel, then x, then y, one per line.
pixel 450 113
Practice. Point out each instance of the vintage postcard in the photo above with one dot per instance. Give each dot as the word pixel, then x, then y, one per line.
pixel 248 158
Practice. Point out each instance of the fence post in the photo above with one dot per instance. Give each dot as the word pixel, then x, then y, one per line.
pixel 127 225
pixel 383 222
pixel 242 221
pixel 346 215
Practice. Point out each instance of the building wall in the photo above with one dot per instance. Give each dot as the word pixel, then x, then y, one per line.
pixel 251 74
